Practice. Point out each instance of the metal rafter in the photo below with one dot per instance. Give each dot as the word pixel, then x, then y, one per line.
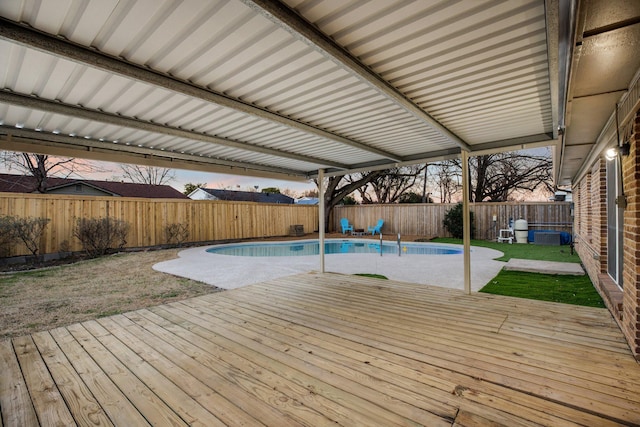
pixel 46 43
pixel 27 140
pixel 114 119
pixel 298 27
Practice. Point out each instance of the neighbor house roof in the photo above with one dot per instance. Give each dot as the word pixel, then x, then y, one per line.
pixel 249 196
pixel 27 184
pixel 307 201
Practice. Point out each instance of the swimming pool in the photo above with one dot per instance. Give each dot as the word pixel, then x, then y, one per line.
pixel 312 247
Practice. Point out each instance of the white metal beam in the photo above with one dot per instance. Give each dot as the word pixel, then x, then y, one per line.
pixel 431 157
pixel 30 141
pixel 321 208
pixel 117 120
pixel 466 223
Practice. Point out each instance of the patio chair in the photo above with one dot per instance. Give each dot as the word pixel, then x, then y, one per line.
pixel 506 234
pixel 344 223
pixel 376 228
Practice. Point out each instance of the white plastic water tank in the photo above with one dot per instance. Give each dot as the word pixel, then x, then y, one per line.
pixel 521 230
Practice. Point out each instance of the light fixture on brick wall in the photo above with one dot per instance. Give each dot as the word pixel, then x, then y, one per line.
pixel 613 152
pixel 622 148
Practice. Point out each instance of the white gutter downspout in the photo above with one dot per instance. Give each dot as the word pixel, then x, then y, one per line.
pixel 466 222
pixel 321 217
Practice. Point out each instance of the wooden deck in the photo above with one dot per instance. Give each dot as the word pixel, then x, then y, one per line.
pixel 320 350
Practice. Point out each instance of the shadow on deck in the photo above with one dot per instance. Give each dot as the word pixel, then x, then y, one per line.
pixel 317 350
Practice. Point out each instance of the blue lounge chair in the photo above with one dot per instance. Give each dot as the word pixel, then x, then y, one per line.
pixel 376 228
pixel 344 223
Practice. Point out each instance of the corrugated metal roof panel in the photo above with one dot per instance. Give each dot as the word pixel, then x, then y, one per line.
pixel 436 53
pixel 480 68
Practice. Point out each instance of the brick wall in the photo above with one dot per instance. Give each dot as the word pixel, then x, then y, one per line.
pixel 631 274
pixel 590 198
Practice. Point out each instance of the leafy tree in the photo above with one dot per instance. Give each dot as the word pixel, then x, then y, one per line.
pixel 190 188
pixel 349 201
pixel 147 174
pixel 453 222
pixel 271 190
pixel 413 197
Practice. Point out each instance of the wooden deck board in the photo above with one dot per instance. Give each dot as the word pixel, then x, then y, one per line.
pixel 320 350
pixel 493 367
pixel 82 404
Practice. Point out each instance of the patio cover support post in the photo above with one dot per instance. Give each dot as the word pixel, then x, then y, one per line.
pixel 321 217
pixel 466 222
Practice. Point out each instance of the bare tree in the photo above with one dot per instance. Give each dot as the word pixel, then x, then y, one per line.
pixel 42 166
pixel 339 187
pixel 389 187
pixel 147 174
pixel 495 177
pixel 447 177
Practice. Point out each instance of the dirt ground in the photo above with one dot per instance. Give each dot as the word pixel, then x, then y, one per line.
pixel 57 296
pixel 61 295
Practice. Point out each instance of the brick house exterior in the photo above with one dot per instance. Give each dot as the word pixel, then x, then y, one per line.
pixel 591 233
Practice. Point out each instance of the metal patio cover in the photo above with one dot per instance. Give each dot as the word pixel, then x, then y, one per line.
pixel 281 89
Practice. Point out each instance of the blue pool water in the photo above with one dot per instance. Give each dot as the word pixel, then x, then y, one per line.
pixel 312 247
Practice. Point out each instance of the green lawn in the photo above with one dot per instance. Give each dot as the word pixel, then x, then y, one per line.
pixel 577 290
pixel 522 251
pixel 566 289
pixel 375 276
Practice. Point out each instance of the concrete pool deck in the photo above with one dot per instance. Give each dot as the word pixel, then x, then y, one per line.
pixel 230 272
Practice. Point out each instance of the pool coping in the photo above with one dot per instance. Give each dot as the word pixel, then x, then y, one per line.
pixel 230 272
pixel 354 240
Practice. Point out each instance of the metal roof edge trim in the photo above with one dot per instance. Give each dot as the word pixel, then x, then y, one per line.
pixel 514 144
pixel 568 11
pixel 552 10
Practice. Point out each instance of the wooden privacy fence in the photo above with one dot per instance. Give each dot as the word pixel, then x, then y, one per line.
pixel 207 220
pixel 426 219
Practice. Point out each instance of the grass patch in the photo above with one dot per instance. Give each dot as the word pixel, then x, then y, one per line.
pixel 576 290
pixel 109 313
pixel 375 276
pixel 522 251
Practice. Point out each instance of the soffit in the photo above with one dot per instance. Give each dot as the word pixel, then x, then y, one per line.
pixel 338 86
pixel 604 64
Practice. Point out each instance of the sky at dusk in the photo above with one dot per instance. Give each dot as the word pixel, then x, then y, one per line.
pixel 107 171
pixel 212 180
pixel 245 183
pixel 112 172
